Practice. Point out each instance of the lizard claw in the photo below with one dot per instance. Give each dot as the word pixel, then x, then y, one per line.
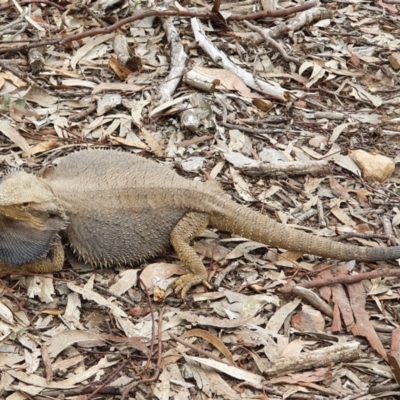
pixel 185 282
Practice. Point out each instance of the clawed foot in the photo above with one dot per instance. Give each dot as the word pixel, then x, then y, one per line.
pixel 185 282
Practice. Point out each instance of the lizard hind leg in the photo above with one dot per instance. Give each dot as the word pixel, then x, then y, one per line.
pixel 190 226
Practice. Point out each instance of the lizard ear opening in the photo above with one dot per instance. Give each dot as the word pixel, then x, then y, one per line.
pixel 21 243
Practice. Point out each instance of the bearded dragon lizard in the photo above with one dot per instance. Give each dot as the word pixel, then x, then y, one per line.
pixel 119 208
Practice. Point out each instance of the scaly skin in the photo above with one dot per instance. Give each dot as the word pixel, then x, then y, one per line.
pixel 52 262
pixel 118 208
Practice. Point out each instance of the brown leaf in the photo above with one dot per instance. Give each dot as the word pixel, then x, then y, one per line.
pixel 217 343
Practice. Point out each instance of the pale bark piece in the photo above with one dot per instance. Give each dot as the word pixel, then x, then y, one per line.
pixel 125 281
pixel 339 353
pixel 6 314
pixel 294 168
pixel 36 59
pixel 108 102
pixel 228 80
pixel 269 5
pixel 201 81
pixel 300 20
pixel 190 120
pixel 154 273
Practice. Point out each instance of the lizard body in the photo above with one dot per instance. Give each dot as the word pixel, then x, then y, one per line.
pixel 118 208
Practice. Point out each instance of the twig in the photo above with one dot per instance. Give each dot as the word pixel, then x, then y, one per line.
pixel 154 378
pixel 360 235
pixel 221 59
pixel 191 14
pixel 272 42
pixel 108 379
pixel 195 140
pixel 153 322
pixel 117 296
pixel 343 279
pixel 240 127
pixel 27 17
pixel 224 273
pixel 6 27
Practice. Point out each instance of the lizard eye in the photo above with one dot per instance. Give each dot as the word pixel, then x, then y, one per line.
pixel 25 205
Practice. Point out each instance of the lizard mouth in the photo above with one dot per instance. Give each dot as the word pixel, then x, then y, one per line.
pixel 28 240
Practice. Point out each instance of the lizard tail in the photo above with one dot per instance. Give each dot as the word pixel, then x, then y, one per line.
pixel 252 225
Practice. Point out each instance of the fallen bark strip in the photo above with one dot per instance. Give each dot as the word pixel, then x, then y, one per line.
pixel 223 61
pixel 201 81
pixel 363 325
pixel 195 140
pixel 189 117
pixel 346 279
pixel 338 353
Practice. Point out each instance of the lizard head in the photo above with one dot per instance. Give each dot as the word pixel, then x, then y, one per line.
pixel 30 218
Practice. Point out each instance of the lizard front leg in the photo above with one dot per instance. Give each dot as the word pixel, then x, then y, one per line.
pixel 190 226
pixel 53 262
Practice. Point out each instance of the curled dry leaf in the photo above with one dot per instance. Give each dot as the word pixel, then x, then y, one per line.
pixel 217 343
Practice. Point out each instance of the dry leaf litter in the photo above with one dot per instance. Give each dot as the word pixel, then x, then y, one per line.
pixel 293 108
